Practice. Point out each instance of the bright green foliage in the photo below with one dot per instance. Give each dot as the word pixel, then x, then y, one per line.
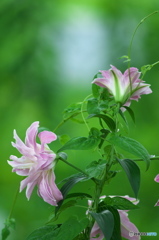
pixel 108 120
pixel 119 203
pixel 10 223
pixel 68 230
pixel 83 143
pixel 96 168
pixel 132 146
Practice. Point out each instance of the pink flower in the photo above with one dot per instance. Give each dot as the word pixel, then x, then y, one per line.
pixel 37 163
pixel 124 87
pixel 157 180
pixel 127 227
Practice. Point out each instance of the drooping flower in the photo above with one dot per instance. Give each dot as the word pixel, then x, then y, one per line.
pixel 124 87
pixel 37 163
pixel 126 226
pixel 157 180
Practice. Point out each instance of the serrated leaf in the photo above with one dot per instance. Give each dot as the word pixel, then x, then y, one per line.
pixel 133 173
pixel 83 143
pixel 108 120
pixel 120 203
pixel 105 221
pixel 96 168
pixel 132 146
pixel 92 106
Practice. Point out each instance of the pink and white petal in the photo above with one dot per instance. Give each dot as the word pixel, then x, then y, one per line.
pixel 106 73
pixel 157 204
pixel 132 74
pixel 117 72
pixel 47 137
pixel 34 178
pixel 21 147
pixel 48 190
pixel 127 226
pixel 157 178
pixel 103 82
pixel 96 232
pixel 30 139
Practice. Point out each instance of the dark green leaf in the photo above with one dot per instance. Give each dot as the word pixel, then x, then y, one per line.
pixel 71 181
pixel 133 173
pixel 117 228
pixel 9 223
pixel 105 221
pixel 79 195
pixel 132 146
pixel 120 203
pixel 44 233
pixel 131 113
pixel 83 143
pixel 71 228
pixel 108 120
pixel 92 106
pixel 95 169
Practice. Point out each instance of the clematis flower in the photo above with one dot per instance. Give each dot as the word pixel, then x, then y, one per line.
pixel 37 163
pixel 157 180
pixel 124 87
pixel 127 227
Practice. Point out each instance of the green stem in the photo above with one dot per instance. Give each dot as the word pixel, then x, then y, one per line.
pixel 71 165
pixel 140 159
pixel 82 112
pixel 14 202
pixel 65 120
pixel 130 46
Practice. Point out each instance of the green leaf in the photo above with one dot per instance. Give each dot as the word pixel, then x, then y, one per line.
pixel 79 195
pixel 67 231
pixel 92 106
pixel 72 110
pixel 131 113
pixel 108 120
pixel 95 89
pixel 132 146
pixel 133 173
pixel 83 143
pixel 120 203
pixel 71 228
pixel 71 181
pixel 9 223
pixel 117 229
pixel 105 221
pixel 63 138
pixel 44 233
pixel 96 168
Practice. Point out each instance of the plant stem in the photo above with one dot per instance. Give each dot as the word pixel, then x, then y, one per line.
pixel 71 165
pixel 14 202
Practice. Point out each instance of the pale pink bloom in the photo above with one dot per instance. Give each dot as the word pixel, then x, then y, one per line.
pixel 126 226
pixel 124 87
pixel 37 163
pixel 157 180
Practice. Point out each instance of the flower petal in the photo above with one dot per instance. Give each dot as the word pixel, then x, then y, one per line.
pixel 30 139
pixel 157 178
pixel 47 137
pixel 127 226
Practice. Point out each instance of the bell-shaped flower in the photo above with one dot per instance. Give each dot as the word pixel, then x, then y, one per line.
pixel 127 227
pixel 123 87
pixel 37 163
pixel 157 180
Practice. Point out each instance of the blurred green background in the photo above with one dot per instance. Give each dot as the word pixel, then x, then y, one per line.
pixel 49 52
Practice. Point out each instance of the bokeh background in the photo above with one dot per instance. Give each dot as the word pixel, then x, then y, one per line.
pixel 49 52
